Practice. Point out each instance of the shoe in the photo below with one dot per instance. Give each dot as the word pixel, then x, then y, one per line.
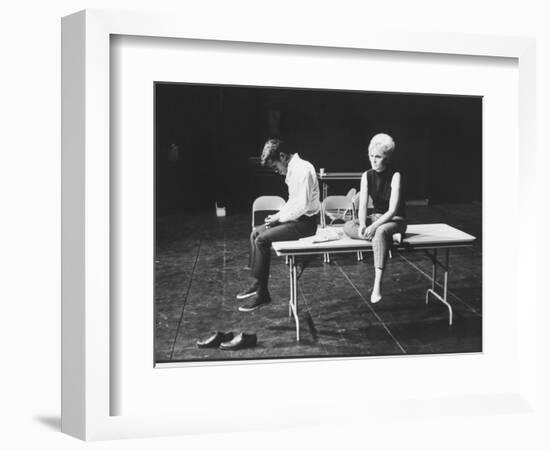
pixel 249 292
pixel 258 301
pixel 242 340
pixel 215 339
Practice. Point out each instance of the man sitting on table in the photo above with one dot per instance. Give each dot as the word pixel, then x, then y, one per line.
pixel 296 219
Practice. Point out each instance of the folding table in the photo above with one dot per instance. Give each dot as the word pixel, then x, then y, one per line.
pixel 428 238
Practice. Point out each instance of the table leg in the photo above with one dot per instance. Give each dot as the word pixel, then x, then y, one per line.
pixel 432 291
pixel 296 319
pixel 293 302
pixel 290 262
pixel 434 273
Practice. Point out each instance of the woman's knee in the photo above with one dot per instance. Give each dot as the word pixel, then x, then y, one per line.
pixel 380 235
pixel 351 228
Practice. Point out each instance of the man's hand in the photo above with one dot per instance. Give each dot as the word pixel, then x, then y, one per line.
pixel 362 229
pixel 271 221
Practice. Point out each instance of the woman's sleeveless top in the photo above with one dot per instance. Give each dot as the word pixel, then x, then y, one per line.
pixel 379 188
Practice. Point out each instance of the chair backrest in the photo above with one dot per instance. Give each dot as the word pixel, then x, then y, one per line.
pixel 335 207
pixel 266 203
pixel 355 201
pixel 351 193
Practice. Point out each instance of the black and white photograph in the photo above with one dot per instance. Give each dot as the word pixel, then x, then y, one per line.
pixel 234 225
pixel 315 223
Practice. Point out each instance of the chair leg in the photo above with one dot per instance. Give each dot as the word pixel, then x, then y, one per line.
pixel 286 260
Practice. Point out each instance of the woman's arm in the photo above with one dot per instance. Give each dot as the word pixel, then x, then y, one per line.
pixel 395 198
pixel 363 202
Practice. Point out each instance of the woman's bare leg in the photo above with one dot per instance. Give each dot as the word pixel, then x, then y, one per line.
pixel 376 295
pixel 381 244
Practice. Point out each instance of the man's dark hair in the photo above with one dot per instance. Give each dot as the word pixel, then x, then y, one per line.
pixel 272 150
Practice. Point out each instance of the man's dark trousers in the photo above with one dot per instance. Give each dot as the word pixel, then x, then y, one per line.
pixel 263 238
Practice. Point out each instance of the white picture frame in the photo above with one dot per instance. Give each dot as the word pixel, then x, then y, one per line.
pixel 86 284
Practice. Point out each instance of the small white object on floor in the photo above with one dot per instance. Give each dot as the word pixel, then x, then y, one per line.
pixel 220 211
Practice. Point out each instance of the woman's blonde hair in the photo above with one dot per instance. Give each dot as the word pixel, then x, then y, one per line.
pixel 384 142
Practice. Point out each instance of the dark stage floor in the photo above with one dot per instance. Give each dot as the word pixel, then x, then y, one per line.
pixel 199 269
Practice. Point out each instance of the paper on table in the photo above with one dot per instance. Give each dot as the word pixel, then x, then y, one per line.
pixel 324 235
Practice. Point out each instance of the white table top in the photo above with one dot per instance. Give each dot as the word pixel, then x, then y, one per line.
pixel 435 235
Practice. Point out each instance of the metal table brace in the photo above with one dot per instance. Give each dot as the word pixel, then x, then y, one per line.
pixel 445 266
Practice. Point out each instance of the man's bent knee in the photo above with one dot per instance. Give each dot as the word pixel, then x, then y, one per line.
pixel 261 241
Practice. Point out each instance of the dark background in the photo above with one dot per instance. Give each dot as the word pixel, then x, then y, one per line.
pixel 219 132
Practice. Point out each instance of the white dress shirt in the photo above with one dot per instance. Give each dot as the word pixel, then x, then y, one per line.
pixel 303 190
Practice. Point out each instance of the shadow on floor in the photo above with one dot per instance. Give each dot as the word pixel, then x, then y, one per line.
pixel 51 422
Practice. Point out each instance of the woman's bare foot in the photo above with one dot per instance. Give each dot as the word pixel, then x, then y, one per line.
pixel 375 297
pixel 376 294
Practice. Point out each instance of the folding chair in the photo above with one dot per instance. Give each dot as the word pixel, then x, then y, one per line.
pixel 351 193
pixel 355 206
pixel 335 207
pixel 268 204
pixel 348 215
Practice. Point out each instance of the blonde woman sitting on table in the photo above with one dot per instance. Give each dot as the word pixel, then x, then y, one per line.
pixel 383 184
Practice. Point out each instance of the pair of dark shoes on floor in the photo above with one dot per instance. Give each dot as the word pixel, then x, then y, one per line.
pixel 228 341
pixel 260 297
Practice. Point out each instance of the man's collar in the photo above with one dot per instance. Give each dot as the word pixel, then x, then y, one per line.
pixel 293 159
